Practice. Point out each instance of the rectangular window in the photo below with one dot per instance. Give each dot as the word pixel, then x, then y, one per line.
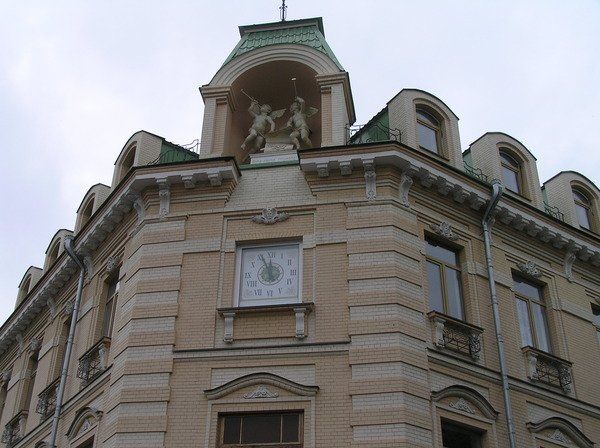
pixel 443 276
pixel 112 293
pixel 32 366
pixel 596 314
pixel 275 429
pixel 456 436
pixel 531 312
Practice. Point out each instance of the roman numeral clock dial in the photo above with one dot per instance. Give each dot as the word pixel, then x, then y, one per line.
pixel 269 274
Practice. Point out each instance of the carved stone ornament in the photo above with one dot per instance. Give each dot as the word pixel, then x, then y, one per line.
pixel 5 377
pixel 112 263
pixel 559 436
pixel 444 229
pixel 370 180
pixel 35 344
pixel 462 405
pixel 261 392
pixel 405 183
pixel 20 342
pixel 68 309
pixel 569 260
pixel 164 193
pixel 530 268
pixel 270 216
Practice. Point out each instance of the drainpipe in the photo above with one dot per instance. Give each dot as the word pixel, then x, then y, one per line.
pixel 68 241
pixel 487 229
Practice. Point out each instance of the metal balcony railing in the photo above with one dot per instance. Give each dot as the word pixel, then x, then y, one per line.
pixel 14 429
pixel 548 369
pixel 456 335
pixel 93 362
pixel 47 400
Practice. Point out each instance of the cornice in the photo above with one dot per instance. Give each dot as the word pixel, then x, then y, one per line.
pixel 210 171
pixel 444 182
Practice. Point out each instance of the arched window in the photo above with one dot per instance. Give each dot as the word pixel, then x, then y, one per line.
pixel 86 213
pixel 428 131
pixel 53 253
pixel 511 172
pixel 582 209
pixel 126 163
pixel 24 290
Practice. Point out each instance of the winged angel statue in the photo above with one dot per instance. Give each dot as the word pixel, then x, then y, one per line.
pixel 262 124
pixel 297 122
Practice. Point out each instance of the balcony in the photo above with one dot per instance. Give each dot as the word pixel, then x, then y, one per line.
pixel 548 369
pixel 456 335
pixel 93 362
pixel 47 400
pixel 14 429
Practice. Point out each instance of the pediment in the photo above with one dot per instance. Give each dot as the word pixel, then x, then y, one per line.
pixel 260 385
pixel 465 400
pixel 561 432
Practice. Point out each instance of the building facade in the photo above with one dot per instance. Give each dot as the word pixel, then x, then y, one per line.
pixel 373 288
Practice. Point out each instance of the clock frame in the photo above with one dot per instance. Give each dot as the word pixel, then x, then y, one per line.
pixel 268 274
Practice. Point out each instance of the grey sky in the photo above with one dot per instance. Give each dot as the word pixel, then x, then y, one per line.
pixel 78 78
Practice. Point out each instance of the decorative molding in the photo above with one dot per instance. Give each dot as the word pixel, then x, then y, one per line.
pixel 405 183
pixel 52 307
pixel 370 179
pixel 188 181
pixel 20 342
pixel 300 314
pixel 462 405
pixel 261 392
pixel 140 207
pixel 164 194
pixel 444 229
pixel 112 263
pixel 67 310
pixel 35 344
pixel 570 258
pixel 270 216
pixel 566 429
pixel 228 329
pixel 322 169
pixel 470 396
pixel 215 179
pixel 84 420
pixel 345 167
pixel 530 268
pixel 558 435
pixel 88 262
pixel 5 376
pixel 261 379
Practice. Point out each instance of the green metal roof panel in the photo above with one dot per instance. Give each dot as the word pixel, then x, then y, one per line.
pixel 308 35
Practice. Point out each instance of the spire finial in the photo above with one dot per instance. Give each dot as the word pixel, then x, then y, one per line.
pixel 283 10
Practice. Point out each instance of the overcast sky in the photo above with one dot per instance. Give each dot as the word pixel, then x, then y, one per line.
pixel 78 78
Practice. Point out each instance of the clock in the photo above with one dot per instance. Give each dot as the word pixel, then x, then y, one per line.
pixel 269 274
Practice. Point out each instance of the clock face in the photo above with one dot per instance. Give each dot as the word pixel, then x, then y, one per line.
pixel 269 274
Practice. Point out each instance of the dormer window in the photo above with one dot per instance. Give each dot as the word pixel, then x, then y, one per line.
pixel 511 173
pixel 428 131
pixel 582 209
pixel 53 253
pixel 86 213
pixel 24 290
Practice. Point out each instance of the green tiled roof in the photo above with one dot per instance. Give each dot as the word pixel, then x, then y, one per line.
pixel 308 34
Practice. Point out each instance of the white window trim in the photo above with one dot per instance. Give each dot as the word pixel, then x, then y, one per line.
pixel 265 302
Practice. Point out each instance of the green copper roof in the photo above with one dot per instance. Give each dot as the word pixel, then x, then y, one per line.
pixel 299 32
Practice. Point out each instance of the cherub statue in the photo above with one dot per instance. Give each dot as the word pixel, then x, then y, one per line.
pixel 297 122
pixel 262 124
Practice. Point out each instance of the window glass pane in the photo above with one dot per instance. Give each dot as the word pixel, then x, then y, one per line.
pixel 511 179
pixel 441 253
pixel 583 216
pixel 261 428
pixel 108 318
pixel 291 427
pixel 434 281
pixel 231 429
pixel 427 118
pixel 427 138
pixel 453 293
pixel 541 328
pixel 580 197
pixel 508 160
pixel 524 324
pixel 596 313
pixel 527 289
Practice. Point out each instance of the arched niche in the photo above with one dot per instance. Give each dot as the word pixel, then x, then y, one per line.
pixel 265 74
pixel 466 400
pixel 92 200
pixel 271 83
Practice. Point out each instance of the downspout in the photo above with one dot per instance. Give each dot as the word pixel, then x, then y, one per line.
pixel 68 241
pixel 487 229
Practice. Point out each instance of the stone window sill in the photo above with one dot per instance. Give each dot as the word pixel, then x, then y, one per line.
pixel 300 310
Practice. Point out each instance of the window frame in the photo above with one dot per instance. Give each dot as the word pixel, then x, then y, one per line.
pixel 473 433
pixel 442 267
pixel 281 444
pixel 516 168
pixel 427 122
pixel 112 299
pixel 530 314
pixel 582 202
